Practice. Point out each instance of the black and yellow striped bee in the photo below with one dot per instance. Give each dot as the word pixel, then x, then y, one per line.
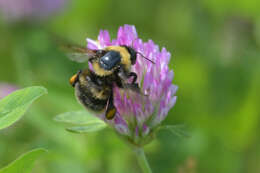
pixel 111 66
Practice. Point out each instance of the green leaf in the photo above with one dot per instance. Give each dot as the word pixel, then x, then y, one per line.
pixel 24 163
pixel 88 128
pixel 178 130
pixel 13 106
pixel 87 122
pixel 78 118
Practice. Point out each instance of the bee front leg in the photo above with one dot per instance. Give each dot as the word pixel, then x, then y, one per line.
pixel 134 76
pixel 126 75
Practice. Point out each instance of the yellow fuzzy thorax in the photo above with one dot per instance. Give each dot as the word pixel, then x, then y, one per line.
pixel 125 61
pixel 125 55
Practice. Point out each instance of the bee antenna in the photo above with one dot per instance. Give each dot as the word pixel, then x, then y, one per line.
pixel 132 45
pixel 145 57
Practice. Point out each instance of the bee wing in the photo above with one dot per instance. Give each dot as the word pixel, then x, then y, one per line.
pixel 78 57
pixel 132 87
pixel 79 54
pixel 74 52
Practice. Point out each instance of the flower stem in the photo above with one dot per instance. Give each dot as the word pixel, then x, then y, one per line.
pixel 142 160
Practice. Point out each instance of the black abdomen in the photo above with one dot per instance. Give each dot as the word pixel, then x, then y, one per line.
pixel 92 91
pixel 89 100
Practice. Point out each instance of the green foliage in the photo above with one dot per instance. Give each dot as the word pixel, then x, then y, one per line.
pixel 24 163
pixel 87 122
pixel 222 7
pixel 88 128
pixel 178 130
pixel 13 107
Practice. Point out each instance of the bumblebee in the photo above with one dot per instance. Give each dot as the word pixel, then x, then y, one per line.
pixel 110 66
pixel 94 92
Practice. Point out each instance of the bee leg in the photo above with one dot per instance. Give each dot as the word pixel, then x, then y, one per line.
pixel 111 109
pixel 126 75
pixel 119 82
pixel 134 76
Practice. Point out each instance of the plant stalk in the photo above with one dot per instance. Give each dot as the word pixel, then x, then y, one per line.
pixel 142 160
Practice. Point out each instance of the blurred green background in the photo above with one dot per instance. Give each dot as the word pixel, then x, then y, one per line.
pixel 215 47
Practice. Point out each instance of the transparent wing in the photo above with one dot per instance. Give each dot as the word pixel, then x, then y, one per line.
pixel 73 51
pixel 79 54
pixel 78 57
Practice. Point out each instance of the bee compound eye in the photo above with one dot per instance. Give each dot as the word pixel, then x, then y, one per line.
pixel 110 60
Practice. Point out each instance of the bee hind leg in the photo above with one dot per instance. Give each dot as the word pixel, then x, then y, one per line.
pixel 111 109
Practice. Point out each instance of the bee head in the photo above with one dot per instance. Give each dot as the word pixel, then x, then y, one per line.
pixel 132 53
pixel 74 79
